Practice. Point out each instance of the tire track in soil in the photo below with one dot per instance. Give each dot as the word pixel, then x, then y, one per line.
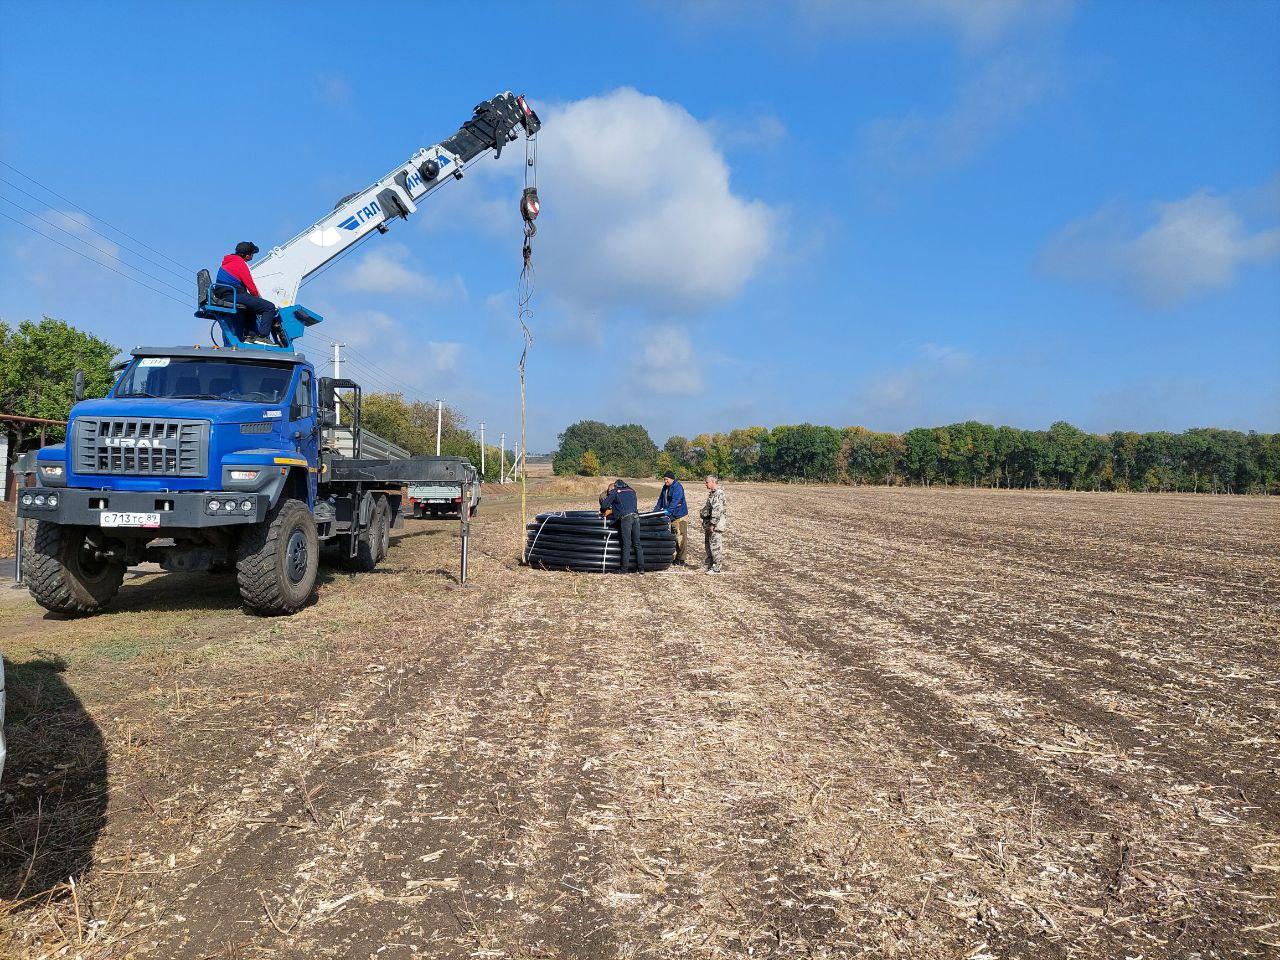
pixel 508 782
pixel 1031 667
pixel 932 721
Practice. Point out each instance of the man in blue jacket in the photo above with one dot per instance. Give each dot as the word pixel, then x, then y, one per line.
pixel 671 501
pixel 620 504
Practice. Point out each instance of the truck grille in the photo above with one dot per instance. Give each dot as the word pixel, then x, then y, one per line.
pixel 141 446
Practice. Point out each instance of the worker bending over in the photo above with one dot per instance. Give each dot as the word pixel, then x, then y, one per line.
pixel 619 502
pixel 235 272
pixel 715 521
pixel 671 501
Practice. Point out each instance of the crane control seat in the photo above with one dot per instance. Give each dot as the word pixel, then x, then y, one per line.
pixel 217 301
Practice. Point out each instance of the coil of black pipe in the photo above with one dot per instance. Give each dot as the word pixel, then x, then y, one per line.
pixel 584 541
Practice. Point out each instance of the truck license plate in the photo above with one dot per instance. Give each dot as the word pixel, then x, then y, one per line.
pixel 110 519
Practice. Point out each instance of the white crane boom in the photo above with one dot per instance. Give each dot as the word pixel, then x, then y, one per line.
pixel 285 268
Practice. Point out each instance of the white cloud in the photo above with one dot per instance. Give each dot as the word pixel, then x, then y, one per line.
pixel 1181 249
pixel 756 130
pixel 388 270
pixel 639 211
pixel 907 395
pixel 977 22
pixel 442 356
pixel 986 105
pixel 332 89
pixel 668 364
pixel 384 353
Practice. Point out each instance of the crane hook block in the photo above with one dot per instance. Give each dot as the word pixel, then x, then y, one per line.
pixel 529 204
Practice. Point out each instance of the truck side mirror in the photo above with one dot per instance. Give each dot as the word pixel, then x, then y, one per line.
pixel 77 387
pixel 328 418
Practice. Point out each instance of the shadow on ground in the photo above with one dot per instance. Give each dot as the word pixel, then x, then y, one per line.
pixel 54 792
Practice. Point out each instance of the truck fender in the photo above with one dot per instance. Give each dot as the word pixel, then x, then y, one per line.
pixel 291 484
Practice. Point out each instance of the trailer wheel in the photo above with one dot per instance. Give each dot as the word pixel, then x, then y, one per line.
pixel 277 560
pixel 382 527
pixel 368 545
pixel 65 573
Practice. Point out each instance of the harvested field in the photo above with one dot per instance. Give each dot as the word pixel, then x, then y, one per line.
pixel 906 722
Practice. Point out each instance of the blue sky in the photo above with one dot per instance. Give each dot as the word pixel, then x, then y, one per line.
pixel 753 213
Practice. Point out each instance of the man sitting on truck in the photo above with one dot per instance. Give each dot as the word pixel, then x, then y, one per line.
pixel 235 272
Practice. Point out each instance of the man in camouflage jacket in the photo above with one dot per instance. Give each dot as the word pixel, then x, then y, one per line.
pixel 715 520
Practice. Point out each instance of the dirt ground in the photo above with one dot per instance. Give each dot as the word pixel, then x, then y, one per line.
pixel 905 722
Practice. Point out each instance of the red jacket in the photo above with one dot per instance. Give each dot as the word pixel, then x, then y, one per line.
pixel 234 264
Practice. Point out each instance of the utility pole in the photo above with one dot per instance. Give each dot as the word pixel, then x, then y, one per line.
pixel 482 451
pixel 439 416
pixel 337 375
pixel 502 459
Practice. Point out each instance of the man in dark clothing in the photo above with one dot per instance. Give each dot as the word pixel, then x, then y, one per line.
pixel 235 272
pixel 620 504
pixel 672 502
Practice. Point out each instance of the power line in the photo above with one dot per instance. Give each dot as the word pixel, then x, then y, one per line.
pixel 79 239
pixel 91 259
pixel 97 233
pixel 372 373
pixel 28 176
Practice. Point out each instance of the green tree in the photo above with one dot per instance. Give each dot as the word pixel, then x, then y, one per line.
pixel 664 464
pixel 625 450
pixel 38 362
pixel 589 464
pixel 922 455
pixel 804 452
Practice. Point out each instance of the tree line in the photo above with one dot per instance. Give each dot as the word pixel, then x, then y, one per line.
pixel 1201 460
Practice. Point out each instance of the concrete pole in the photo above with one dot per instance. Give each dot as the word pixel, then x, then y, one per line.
pixel 337 375
pixel 481 451
pixel 502 459
pixel 439 417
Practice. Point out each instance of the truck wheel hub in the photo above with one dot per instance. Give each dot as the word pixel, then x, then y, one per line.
pixel 295 557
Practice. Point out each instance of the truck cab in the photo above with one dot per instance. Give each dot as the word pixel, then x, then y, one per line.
pixel 193 438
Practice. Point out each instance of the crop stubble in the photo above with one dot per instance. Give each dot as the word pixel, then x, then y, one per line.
pixel 920 723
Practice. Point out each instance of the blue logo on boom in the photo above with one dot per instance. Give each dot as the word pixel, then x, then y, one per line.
pixel 360 216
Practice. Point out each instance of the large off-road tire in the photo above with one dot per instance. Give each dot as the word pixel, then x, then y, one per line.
pixel 382 527
pixel 277 560
pixel 368 545
pixel 62 572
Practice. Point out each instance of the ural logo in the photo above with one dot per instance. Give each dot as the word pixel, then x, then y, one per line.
pixel 140 442
pixel 360 216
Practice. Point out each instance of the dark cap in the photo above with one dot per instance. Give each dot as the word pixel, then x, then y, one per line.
pixel 668 475
pixel 246 249
pixel 620 484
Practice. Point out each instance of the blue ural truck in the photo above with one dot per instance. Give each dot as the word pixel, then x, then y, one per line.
pixel 241 456
pixel 208 459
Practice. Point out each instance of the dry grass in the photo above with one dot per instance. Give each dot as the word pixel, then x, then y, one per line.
pixel 906 723
pixel 7 519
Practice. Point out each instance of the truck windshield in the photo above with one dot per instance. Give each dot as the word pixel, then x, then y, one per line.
pixel 195 378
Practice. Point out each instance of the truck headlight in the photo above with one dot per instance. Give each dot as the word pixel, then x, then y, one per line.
pixel 54 470
pixel 39 499
pixel 26 500
pixel 244 474
pixel 246 505
pixel 214 506
pixel 229 505
pixel 52 501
